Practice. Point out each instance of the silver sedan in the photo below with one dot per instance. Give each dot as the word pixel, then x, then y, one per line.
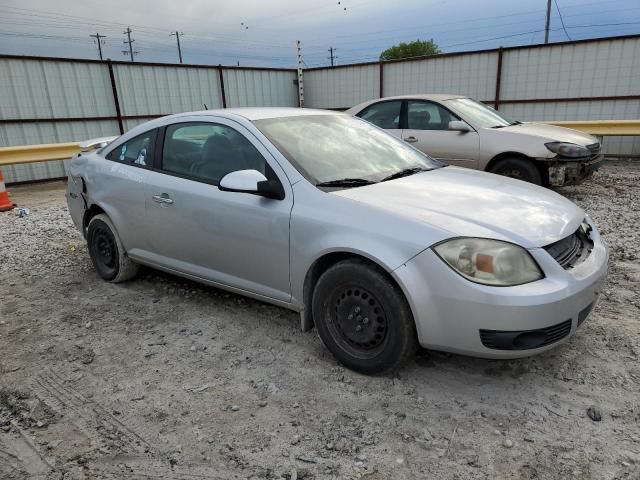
pixel 377 245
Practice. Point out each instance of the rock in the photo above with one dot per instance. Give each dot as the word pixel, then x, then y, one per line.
pixel 235 408
pixel 262 403
pixel 193 348
pixel 295 440
pixel 88 325
pixel 594 414
pixel 507 443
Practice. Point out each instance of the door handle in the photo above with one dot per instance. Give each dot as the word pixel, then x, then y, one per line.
pixel 164 198
pixel 411 139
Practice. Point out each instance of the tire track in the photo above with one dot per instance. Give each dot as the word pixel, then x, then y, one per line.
pixel 100 425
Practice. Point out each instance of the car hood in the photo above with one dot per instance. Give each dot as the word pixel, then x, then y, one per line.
pixel 462 202
pixel 551 133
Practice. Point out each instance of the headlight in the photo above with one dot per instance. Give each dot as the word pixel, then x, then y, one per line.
pixel 570 150
pixel 490 262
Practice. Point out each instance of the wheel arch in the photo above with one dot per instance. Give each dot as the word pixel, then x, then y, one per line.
pixel 326 261
pixel 540 166
pixel 91 212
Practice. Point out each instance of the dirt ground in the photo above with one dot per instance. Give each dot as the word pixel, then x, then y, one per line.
pixel 165 378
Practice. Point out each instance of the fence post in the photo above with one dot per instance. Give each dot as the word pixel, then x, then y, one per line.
pixel 381 67
pixel 114 90
pixel 222 94
pixel 496 100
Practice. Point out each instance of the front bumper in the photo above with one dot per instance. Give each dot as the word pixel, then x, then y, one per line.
pixel 571 172
pixel 450 312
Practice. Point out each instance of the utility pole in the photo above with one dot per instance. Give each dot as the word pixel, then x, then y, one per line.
pixel 178 35
pixel 546 28
pixel 300 80
pixel 98 38
pixel 331 55
pixel 129 41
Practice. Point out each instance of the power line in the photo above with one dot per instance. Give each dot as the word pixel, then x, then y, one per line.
pixel 100 42
pixel 561 19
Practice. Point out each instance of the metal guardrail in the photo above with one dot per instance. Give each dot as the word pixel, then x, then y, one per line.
pixel 63 151
pixel 603 127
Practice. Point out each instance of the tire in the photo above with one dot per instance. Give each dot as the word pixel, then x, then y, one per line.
pixel 107 254
pixel 518 168
pixel 363 318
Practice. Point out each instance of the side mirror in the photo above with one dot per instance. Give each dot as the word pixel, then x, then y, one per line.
pixel 459 126
pixel 251 181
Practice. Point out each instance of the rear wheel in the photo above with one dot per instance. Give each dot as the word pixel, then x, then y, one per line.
pixel 518 168
pixel 363 318
pixel 107 254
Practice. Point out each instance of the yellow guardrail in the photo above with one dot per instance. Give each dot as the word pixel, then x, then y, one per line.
pixel 63 151
pixel 38 153
pixel 603 127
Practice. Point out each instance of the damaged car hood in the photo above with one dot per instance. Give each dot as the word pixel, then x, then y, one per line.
pixel 464 202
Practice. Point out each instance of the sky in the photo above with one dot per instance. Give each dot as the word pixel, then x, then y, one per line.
pixel 264 33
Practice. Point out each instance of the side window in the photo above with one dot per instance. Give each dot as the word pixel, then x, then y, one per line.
pixel 137 151
pixel 383 114
pixel 208 151
pixel 428 116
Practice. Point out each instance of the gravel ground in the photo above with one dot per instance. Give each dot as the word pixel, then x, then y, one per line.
pixel 164 378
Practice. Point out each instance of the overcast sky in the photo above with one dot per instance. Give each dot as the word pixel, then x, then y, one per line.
pixel 264 32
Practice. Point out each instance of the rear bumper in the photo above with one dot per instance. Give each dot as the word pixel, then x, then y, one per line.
pixel 570 172
pixel 455 315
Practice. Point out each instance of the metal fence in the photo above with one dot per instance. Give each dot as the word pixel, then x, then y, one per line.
pixel 54 100
pixel 578 80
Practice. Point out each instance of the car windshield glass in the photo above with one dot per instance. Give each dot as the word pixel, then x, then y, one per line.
pixel 478 114
pixel 329 148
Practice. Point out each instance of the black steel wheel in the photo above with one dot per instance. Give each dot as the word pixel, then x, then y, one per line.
pixel 107 254
pixel 359 322
pixel 363 317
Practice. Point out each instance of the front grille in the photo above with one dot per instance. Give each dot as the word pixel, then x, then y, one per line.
pixel 524 339
pixel 571 250
pixel 594 150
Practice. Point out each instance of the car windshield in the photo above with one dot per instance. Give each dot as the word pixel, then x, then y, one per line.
pixel 478 114
pixel 342 149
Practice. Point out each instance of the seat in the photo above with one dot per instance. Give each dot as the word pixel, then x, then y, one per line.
pixel 419 120
pixel 219 157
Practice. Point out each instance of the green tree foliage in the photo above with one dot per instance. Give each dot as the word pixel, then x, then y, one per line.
pixel 417 48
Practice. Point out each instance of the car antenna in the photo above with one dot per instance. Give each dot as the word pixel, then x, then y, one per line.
pixel 205 106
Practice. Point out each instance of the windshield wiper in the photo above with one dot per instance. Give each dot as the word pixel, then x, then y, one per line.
pixel 345 182
pixel 405 173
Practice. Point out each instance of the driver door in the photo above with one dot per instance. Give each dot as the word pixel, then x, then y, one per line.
pixel 236 239
pixel 427 129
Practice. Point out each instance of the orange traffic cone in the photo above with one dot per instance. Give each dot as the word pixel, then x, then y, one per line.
pixel 5 203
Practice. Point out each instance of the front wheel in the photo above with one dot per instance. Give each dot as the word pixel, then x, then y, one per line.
pixel 363 318
pixel 107 254
pixel 519 168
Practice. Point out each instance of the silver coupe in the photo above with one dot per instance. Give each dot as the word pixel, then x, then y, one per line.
pixel 377 245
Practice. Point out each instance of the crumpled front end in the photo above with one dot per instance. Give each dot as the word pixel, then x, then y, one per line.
pixel 572 171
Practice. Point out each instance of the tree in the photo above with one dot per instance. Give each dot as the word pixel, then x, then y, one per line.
pixel 417 48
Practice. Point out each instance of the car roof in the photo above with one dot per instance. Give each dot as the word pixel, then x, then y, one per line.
pixel 260 113
pixel 426 96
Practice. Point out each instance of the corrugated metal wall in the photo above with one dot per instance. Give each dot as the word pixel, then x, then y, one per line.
pixel 156 90
pixel 260 88
pixel 33 89
pixel 341 87
pixel 473 75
